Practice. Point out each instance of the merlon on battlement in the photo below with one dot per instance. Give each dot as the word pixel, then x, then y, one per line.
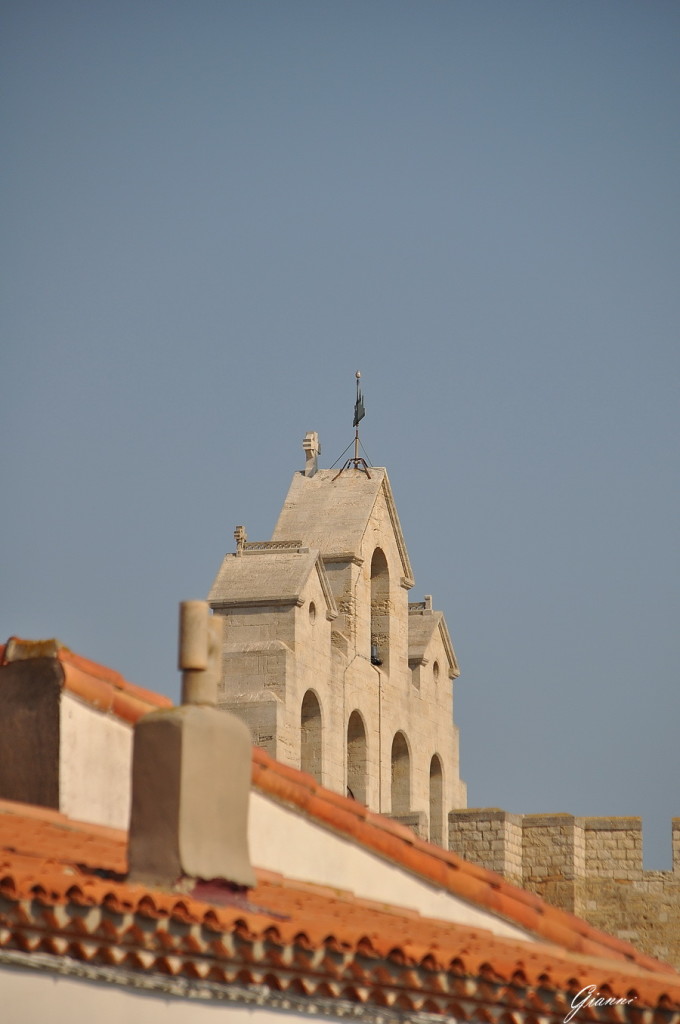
pixel 591 866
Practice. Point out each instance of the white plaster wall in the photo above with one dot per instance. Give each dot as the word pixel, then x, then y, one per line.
pixel 35 997
pixel 95 756
pixel 284 841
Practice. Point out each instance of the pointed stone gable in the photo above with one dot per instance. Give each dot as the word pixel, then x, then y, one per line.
pixel 333 671
pixel 269 574
pixel 425 628
pixel 331 512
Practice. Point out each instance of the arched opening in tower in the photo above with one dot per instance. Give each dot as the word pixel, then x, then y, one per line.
pixel 357 768
pixel 380 609
pixel 401 775
pixel 436 801
pixel 310 736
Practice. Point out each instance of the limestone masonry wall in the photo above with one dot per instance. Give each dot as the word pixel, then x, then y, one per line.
pixel 336 672
pixel 589 866
pixel 331 667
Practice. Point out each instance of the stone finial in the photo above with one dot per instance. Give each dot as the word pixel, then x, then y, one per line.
pixel 428 602
pixel 191 770
pixel 312 449
pixel 240 536
pixel 200 652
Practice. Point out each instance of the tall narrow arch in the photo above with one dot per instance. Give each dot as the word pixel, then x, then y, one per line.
pixel 357 767
pixel 436 801
pixel 401 775
pixel 380 609
pixel 310 735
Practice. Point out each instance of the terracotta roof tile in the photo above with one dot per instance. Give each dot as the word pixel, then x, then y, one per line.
pixel 298 936
pixel 93 846
pixel 396 843
pixel 31 831
pixel 99 686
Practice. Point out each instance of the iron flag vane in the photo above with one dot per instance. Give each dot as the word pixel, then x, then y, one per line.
pixel 359 412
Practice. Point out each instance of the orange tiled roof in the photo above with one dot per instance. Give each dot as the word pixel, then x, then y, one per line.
pixel 99 686
pixel 62 892
pixel 441 867
pixel 105 689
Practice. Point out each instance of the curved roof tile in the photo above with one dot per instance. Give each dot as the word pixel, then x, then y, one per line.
pixel 295 936
pixel 52 850
pixel 97 685
pixel 441 867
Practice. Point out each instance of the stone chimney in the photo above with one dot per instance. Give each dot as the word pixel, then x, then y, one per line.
pixel 191 772
pixel 66 731
pixel 31 685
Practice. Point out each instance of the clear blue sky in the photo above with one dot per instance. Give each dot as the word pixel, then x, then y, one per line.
pixel 215 212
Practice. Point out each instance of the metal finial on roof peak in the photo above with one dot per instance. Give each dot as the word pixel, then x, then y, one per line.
pixel 359 412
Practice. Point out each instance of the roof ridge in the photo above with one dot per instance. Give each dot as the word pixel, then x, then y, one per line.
pixel 115 679
pixel 99 686
pixel 57 818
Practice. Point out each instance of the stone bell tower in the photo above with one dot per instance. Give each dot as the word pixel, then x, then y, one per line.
pixel 325 659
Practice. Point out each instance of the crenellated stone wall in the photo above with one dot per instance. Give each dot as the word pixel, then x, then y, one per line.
pixel 589 866
pixel 490 837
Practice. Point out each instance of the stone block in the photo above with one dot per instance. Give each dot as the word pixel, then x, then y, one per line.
pixel 416 820
pixel 190 785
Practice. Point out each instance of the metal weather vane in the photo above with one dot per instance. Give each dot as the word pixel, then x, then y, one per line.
pixel 359 412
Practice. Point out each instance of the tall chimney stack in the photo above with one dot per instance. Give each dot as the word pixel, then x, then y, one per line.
pixel 191 770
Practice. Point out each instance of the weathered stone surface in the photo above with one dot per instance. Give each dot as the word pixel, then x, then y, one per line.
pixel 185 822
pixel 318 631
pixel 590 866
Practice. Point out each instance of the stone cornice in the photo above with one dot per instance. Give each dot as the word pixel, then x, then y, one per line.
pixel 263 602
pixel 407 580
pixel 342 556
pixel 454 671
pixel 331 607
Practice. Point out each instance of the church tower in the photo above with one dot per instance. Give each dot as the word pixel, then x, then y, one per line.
pixel 328 663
